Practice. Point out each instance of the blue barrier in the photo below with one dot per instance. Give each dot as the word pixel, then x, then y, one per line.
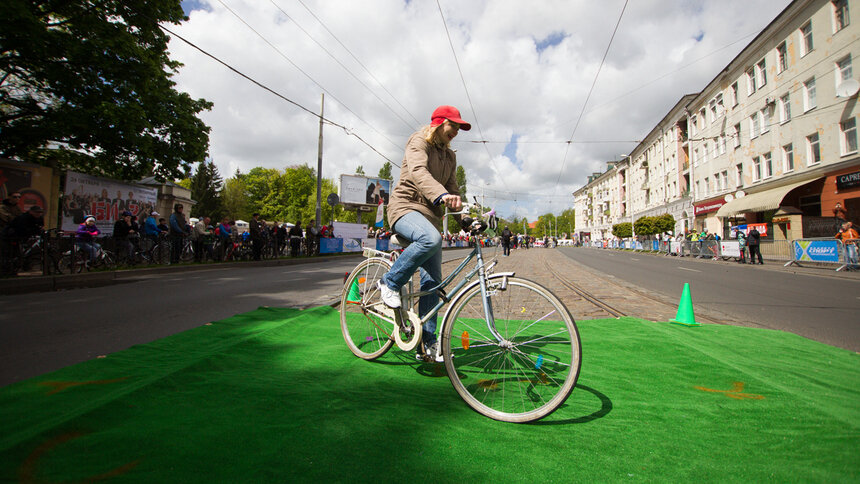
pixel 816 250
pixel 331 246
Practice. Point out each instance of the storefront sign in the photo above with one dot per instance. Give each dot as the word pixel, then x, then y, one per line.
pixel 781 220
pixel 848 180
pixel 708 207
pixel 816 250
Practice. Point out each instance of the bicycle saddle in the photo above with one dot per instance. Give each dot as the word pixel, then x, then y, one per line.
pixel 399 240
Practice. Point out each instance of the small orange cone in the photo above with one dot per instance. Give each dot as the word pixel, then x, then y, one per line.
pixel 685 315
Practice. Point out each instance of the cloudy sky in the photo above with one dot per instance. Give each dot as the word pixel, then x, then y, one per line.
pixel 520 72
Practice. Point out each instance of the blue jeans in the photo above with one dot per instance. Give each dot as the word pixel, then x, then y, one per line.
pixel 424 253
pixel 91 249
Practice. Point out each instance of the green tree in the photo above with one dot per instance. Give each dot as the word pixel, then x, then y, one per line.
pixel 665 223
pixel 234 198
pixel 359 170
pixel 461 182
pixel 567 222
pixel 645 226
pixel 385 171
pixel 88 86
pixel 622 230
pixel 205 186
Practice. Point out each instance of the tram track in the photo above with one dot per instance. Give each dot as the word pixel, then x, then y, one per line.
pixel 613 310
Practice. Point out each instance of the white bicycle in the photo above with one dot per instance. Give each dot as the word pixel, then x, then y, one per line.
pixel 510 347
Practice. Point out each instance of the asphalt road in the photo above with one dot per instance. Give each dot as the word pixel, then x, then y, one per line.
pixel 42 332
pixel 814 304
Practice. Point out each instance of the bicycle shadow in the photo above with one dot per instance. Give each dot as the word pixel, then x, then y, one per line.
pixel 605 408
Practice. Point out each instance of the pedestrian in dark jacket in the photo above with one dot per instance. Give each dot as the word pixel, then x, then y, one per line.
pixel 506 241
pixel 753 242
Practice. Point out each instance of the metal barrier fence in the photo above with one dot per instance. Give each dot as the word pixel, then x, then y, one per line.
pixel 826 251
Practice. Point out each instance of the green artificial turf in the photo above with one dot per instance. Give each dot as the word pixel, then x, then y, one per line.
pixel 275 396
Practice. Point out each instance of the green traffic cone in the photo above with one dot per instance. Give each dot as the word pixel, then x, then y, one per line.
pixel 685 309
pixel 354 295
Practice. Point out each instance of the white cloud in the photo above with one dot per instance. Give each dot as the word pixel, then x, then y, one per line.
pixel 514 89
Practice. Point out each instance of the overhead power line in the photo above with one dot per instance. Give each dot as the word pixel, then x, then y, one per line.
pixel 279 95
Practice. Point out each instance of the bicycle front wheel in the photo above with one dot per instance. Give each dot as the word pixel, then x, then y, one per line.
pixel 365 331
pixel 525 366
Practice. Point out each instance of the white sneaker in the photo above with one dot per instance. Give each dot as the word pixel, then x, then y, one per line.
pixel 431 354
pixel 389 297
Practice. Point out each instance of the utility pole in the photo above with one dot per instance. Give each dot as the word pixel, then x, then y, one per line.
pixel 319 164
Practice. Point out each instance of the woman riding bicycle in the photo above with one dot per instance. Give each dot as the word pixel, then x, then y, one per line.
pixel 427 184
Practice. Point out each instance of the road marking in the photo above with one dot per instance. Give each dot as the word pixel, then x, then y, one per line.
pixel 633 258
pixel 685 269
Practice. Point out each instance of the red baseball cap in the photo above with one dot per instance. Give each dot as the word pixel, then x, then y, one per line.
pixel 451 114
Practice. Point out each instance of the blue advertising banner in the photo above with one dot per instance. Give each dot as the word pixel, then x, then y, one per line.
pixel 816 250
pixel 330 246
pixel 382 244
pixel 655 245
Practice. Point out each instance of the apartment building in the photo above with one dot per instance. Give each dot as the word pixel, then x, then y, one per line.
pixel 598 204
pixel 771 140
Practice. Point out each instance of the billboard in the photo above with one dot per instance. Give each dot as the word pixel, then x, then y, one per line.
pixel 360 190
pixel 104 199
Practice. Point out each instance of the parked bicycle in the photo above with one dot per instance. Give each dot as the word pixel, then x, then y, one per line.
pixel 510 347
pixel 77 260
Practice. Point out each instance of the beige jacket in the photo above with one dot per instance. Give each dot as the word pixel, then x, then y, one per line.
pixel 427 172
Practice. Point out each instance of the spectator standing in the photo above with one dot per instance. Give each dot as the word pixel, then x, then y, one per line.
pixel 122 232
pixel 162 226
pixel 178 227
pixel 506 241
pixel 849 237
pixel 224 234
pixel 256 231
pixel 199 236
pixel 753 242
pixel 19 229
pixel 9 209
pixel 742 245
pixel 296 239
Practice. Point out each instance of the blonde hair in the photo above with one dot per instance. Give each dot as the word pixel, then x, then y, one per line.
pixel 431 135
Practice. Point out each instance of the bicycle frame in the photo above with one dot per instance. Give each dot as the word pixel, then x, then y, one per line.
pixel 479 269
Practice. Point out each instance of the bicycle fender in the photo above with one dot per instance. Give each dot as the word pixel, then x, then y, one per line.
pixel 463 291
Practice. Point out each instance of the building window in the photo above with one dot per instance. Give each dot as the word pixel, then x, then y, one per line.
pixel 696 193
pixel 813 150
pixel 788 158
pixel 694 128
pixel 707 186
pixel 809 94
pixel 724 181
pixel 705 152
pixel 781 57
pixel 739 174
pixel 722 144
pixel 764 118
pixel 714 149
pixel 721 108
pixel 784 109
pixel 702 118
pixel 806 44
pixel 843 70
pixel 756 168
pixel 849 136
pixel 751 81
pixel 735 94
pixel 737 135
pixel 840 15
pixel 761 74
pixel 754 125
pixel 767 165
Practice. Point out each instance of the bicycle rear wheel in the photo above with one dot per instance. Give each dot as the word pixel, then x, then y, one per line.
pixel 531 370
pixel 366 333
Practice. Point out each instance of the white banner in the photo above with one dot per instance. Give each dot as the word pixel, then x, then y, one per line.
pixel 730 248
pixel 353 235
pixel 359 190
pixel 105 200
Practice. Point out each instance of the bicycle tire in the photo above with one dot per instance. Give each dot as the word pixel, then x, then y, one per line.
pixel 532 371
pixel 363 331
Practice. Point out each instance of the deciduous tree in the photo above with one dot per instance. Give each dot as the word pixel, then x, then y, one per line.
pixel 88 85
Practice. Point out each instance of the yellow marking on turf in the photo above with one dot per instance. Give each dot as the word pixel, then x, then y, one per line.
pixel 59 386
pixel 736 392
pixel 27 471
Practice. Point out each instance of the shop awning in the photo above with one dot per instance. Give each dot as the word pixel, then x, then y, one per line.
pixel 759 202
